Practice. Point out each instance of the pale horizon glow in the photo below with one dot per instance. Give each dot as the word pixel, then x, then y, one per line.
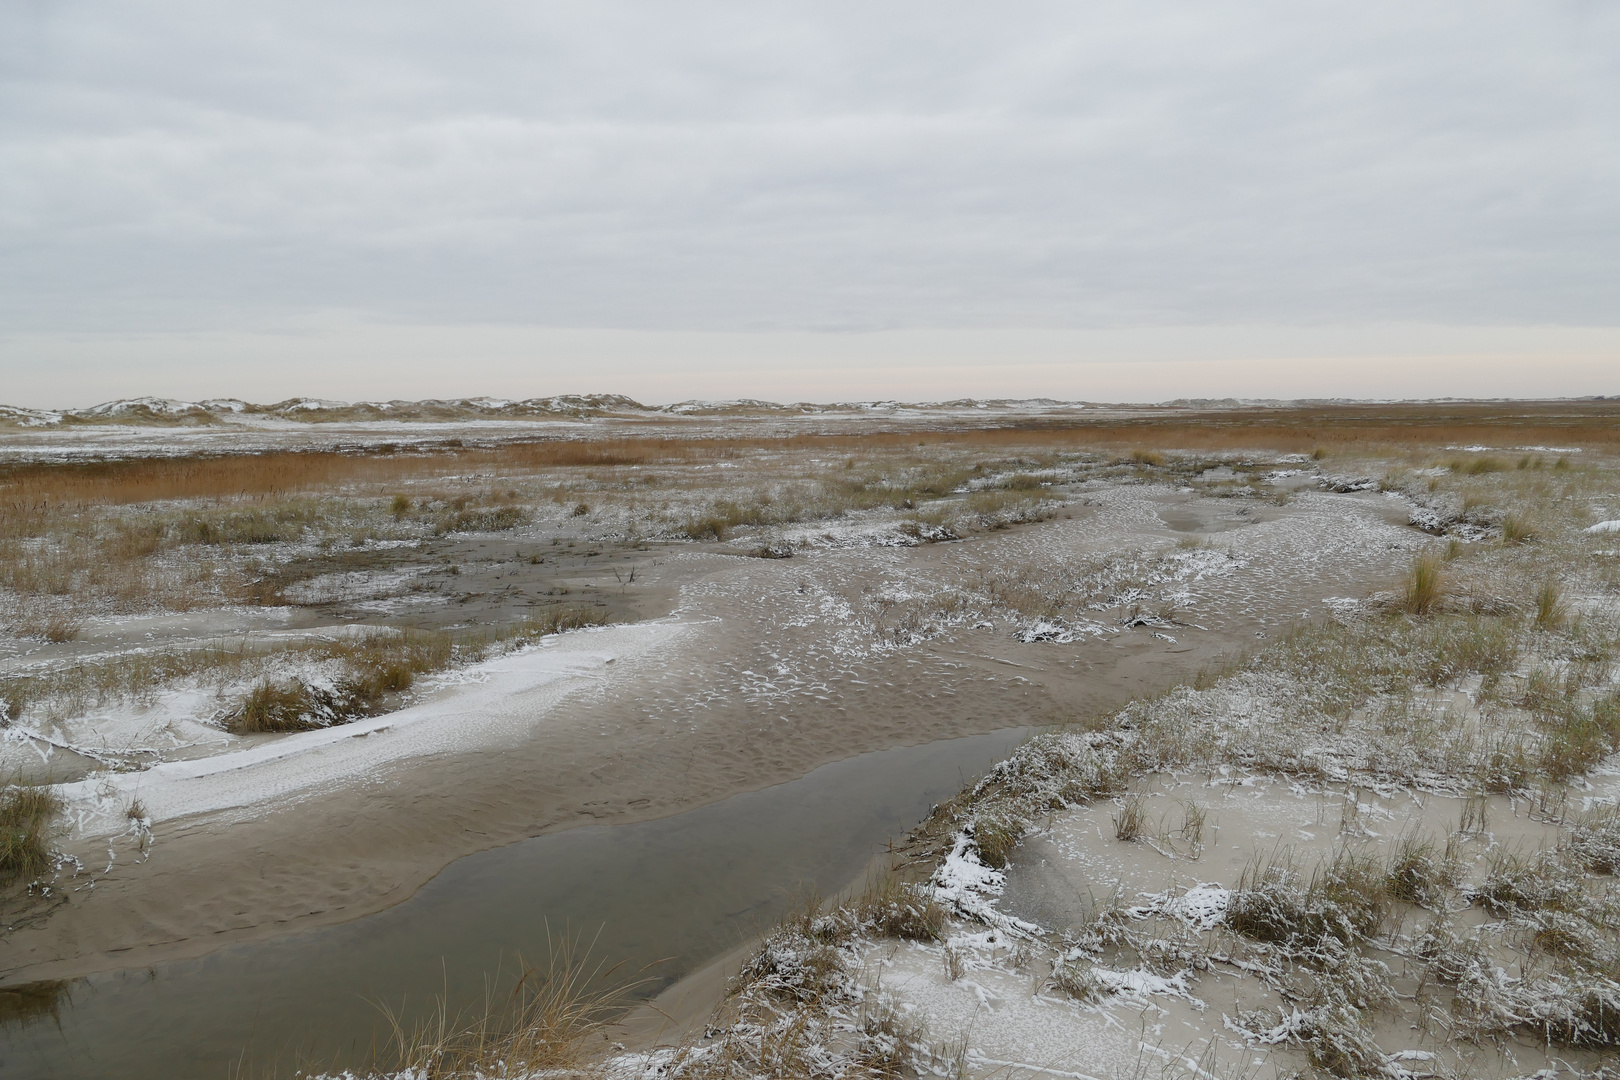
pixel 809 201
pixel 659 368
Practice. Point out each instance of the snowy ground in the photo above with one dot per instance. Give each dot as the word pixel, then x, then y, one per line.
pixel 992 986
pixel 485 706
pixel 792 612
pixel 1383 846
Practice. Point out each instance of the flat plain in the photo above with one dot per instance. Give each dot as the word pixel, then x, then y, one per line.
pixel 1324 782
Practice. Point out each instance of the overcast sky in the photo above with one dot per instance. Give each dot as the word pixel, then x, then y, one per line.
pixel 823 199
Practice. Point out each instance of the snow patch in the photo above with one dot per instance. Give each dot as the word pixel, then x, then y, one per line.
pixel 1201 907
pixel 971 887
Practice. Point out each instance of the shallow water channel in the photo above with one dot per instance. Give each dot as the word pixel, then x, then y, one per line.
pixel 681 890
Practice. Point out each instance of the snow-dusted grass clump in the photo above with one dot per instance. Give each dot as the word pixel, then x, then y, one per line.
pixel 1486 681
pixel 1484 685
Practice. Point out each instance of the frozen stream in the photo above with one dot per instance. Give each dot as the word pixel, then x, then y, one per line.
pixel 682 889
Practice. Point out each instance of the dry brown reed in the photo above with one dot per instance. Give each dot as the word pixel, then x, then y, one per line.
pixel 1298 429
pixel 25 816
pixel 1423 585
pixel 1131 820
pixel 537 1027
pixel 892 908
pixel 1550 605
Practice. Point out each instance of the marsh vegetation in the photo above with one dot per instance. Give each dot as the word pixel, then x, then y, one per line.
pixel 1480 682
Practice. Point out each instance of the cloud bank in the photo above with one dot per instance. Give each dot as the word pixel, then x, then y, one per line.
pixel 181 168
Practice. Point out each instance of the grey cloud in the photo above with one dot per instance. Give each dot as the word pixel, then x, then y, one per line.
pixel 734 166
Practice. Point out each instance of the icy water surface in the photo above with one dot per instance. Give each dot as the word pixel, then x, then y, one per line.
pixel 681 890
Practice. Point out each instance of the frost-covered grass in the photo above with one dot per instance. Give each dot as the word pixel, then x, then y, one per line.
pixel 1489 675
pixel 544 1020
pixel 318 531
pixel 378 668
pixel 25 816
pixel 253 687
pixel 802 1005
pixel 1054 601
pixel 799 1007
pixel 159 535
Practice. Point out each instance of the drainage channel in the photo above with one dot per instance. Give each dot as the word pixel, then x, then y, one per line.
pixel 662 896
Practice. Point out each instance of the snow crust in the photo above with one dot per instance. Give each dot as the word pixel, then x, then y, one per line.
pixel 971 887
pixel 484 706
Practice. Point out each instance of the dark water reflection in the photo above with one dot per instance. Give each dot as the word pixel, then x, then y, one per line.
pixel 681 890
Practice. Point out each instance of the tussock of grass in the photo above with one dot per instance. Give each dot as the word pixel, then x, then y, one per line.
pixel 1506 765
pixel 1540 882
pixel 272 707
pixel 1417 874
pixel 1550 606
pixel 257 526
pixel 1594 840
pixel 1335 1042
pixel 1478 466
pixel 1022 482
pixel 999 509
pixel 1517 529
pixel 891 908
pixel 490 519
pixel 1076 976
pixel 538 1027
pixel 995 838
pixel 1423 586
pixel 25 816
pixel 559 620
pixel 380 667
pixel 1131 820
pixel 1345 899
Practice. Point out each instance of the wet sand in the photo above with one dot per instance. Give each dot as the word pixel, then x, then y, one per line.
pixel 768 679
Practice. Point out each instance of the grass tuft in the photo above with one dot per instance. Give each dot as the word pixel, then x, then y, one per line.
pixel 1595 840
pixel 1077 977
pixel 996 838
pixel 275 707
pixel 1130 822
pixel 25 815
pixel 1423 586
pixel 1516 529
pixel 1416 875
pixel 1345 900
pixel 380 668
pixel 894 909
pixel 539 1027
pixel 1550 607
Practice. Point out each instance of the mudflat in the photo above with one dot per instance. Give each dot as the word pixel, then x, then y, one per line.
pixel 745 672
